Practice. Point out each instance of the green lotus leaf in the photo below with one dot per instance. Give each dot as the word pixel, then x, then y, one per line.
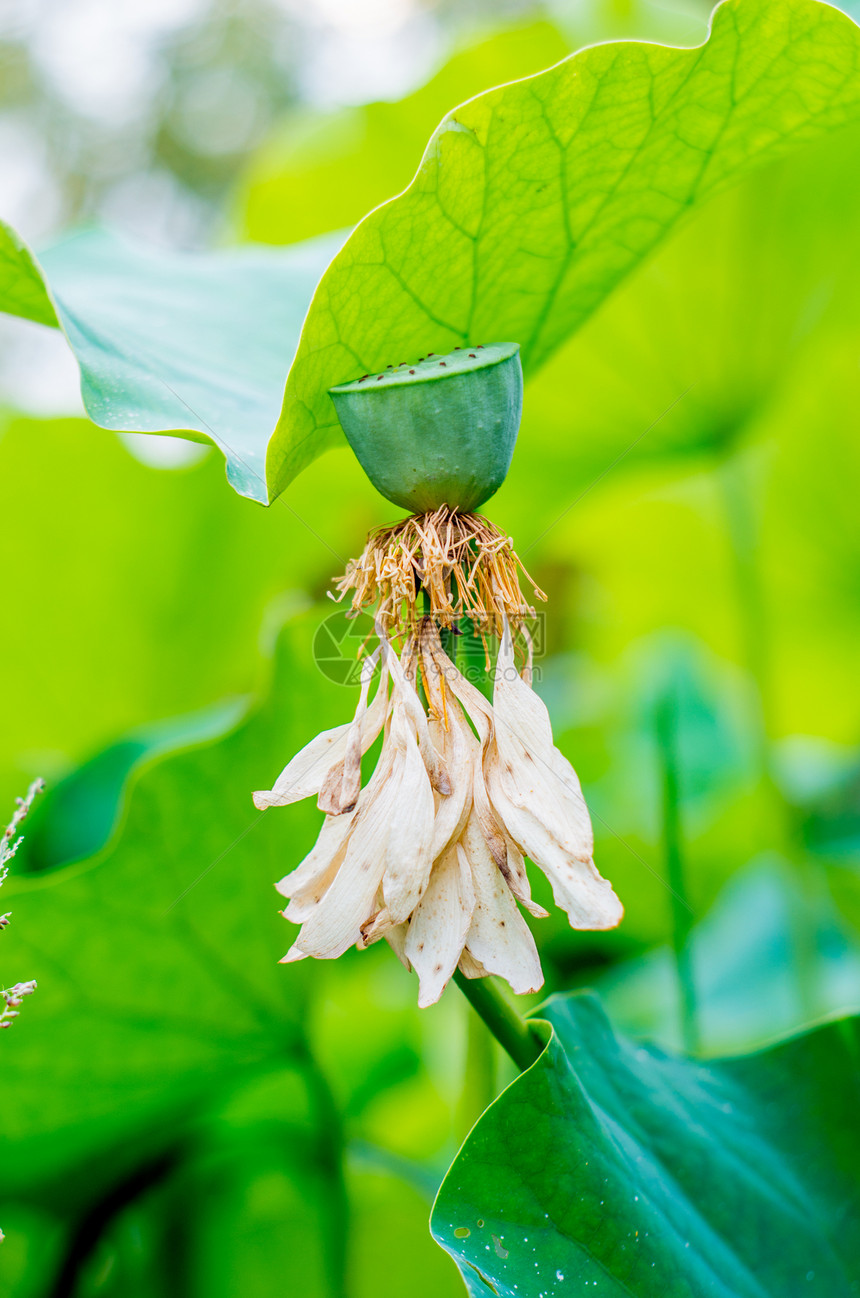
pixel 612 1167
pixel 534 200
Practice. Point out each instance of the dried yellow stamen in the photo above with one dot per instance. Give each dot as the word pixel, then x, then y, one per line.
pixel 464 564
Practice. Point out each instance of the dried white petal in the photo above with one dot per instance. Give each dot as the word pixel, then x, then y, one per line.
pixel 407 855
pixel 342 784
pixel 452 735
pixel 530 761
pixel 471 967
pixel 503 850
pixel 336 921
pixel 514 874
pixel 505 853
pixel 498 937
pixel 307 885
pixel 430 854
pixel 536 794
pixel 306 774
pixel 379 925
pixel 396 939
pixel 439 777
pixel 437 932
pixel 577 886
pixel 477 708
pixel 293 955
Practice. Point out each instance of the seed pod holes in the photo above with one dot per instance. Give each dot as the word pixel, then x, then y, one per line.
pixel 439 431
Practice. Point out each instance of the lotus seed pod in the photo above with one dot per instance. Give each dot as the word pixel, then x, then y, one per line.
pixel 440 431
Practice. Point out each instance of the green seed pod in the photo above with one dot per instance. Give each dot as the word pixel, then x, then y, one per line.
pixel 439 432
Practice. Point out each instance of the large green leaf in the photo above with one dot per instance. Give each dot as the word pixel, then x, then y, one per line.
pixel 156 959
pixel 534 200
pixel 613 1167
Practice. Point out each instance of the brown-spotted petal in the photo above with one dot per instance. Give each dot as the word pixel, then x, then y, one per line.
pixel 437 932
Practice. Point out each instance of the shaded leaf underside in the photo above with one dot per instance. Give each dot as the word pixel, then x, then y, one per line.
pixel 196 345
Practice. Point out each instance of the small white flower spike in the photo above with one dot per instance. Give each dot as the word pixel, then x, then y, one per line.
pixel 10 841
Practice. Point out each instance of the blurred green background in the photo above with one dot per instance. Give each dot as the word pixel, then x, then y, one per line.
pixel 181 1115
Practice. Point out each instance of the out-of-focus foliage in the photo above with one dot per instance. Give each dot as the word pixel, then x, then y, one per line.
pixel 165 108
pixel 775 929
pixel 343 164
pixel 139 594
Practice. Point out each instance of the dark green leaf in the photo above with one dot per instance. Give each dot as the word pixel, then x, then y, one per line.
pixel 613 1168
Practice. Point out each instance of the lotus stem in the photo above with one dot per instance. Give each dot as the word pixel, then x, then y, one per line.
pixel 514 1034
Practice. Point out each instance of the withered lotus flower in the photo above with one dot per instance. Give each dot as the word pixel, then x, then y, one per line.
pixel 429 854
